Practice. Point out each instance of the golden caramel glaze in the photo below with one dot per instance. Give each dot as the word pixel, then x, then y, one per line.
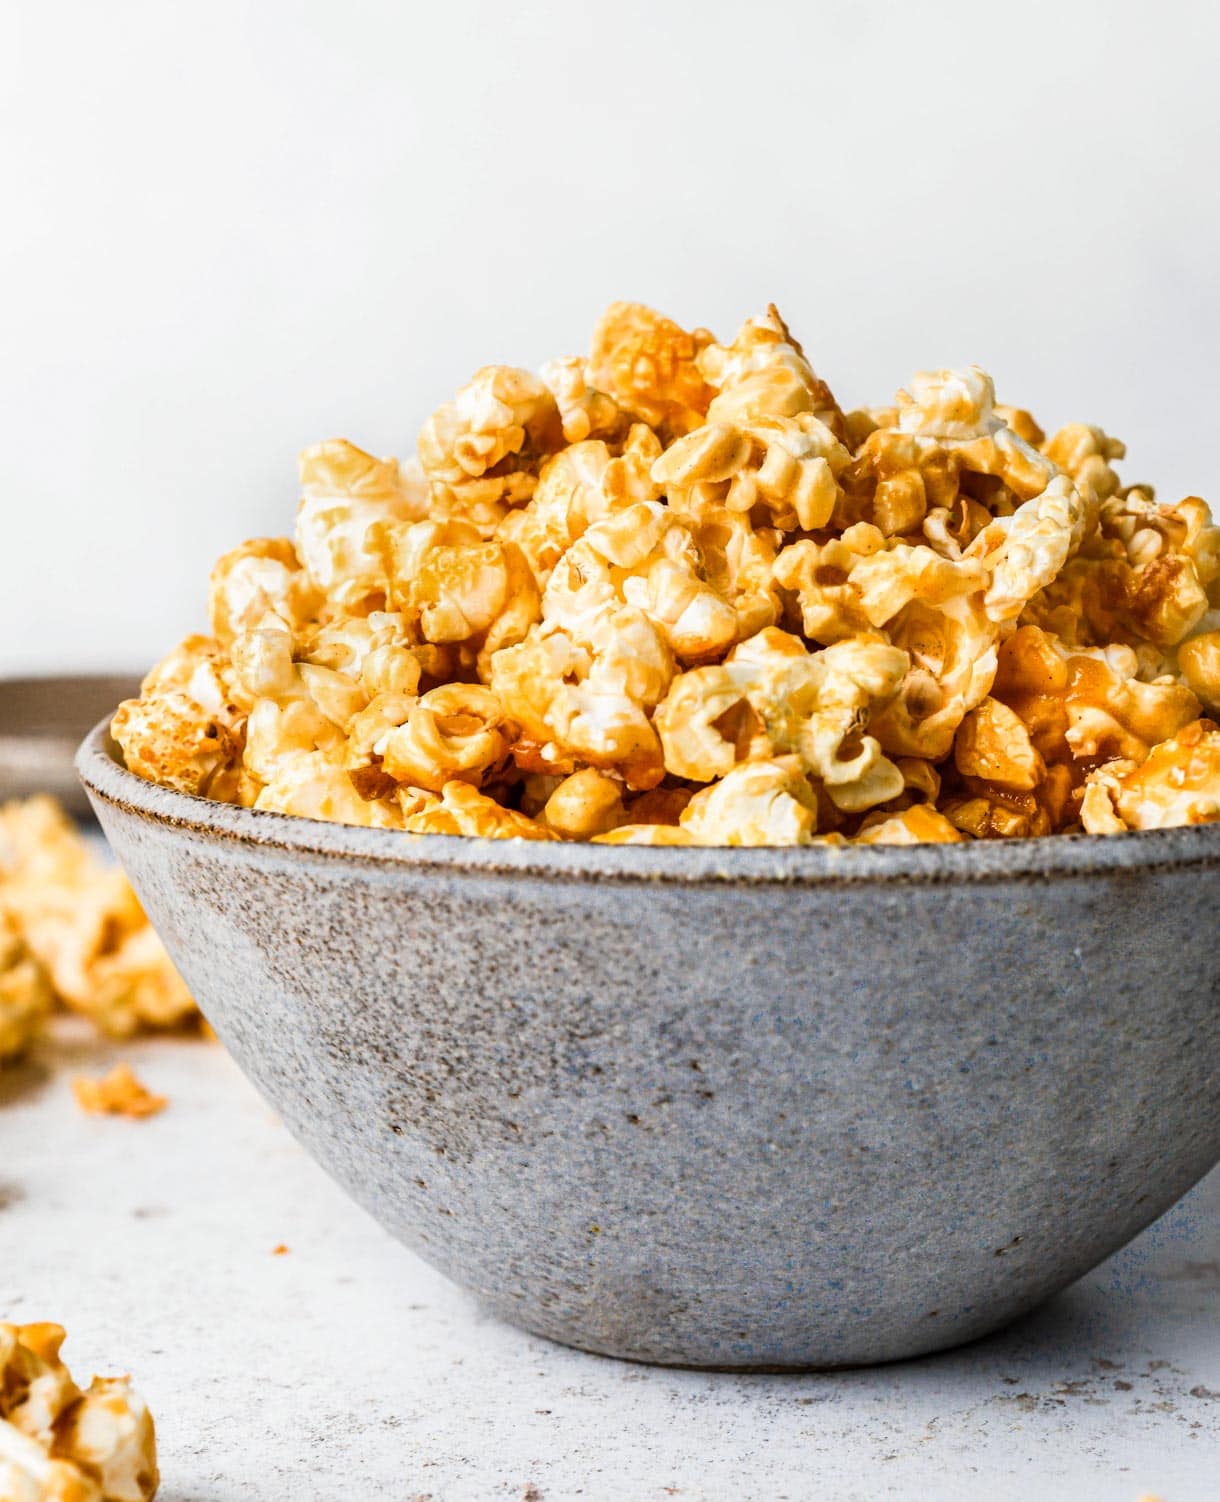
pixel 673 593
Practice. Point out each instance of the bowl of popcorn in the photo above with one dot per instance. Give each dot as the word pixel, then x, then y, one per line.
pixel 730 880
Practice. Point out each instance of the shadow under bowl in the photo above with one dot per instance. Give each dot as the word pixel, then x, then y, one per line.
pixel 724 1108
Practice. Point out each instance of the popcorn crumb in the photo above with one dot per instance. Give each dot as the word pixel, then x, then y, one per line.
pixel 118 1093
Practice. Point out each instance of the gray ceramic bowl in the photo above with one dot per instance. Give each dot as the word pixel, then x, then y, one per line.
pixel 733 1108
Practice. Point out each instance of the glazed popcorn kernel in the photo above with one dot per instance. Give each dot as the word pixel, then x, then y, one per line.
pixel 72 932
pixel 673 593
pixel 118 1093
pixel 61 1444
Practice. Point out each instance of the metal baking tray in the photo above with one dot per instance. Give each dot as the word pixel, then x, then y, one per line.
pixel 42 721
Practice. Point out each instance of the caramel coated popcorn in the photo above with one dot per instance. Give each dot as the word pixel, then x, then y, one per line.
pixel 61 1444
pixel 25 991
pixel 673 593
pixel 119 1093
pixel 73 933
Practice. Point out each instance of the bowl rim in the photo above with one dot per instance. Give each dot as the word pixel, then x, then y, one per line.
pixel 110 785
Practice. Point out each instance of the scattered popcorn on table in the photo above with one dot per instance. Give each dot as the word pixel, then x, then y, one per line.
pixel 25 992
pixel 59 1444
pixel 674 594
pixel 82 925
pixel 118 1093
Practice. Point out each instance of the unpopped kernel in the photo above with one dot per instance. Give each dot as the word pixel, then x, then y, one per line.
pixel 674 593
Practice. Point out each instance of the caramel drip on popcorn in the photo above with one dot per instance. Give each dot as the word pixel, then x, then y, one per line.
pixel 672 593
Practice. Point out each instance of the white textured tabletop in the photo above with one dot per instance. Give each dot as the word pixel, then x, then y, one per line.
pixel 346 1369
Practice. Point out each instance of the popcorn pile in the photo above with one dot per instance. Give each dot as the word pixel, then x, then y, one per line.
pixel 73 934
pixel 674 594
pixel 59 1444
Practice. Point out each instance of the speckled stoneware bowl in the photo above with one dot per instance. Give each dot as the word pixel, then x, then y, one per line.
pixel 733 1108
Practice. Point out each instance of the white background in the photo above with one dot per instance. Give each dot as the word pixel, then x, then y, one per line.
pixel 233 229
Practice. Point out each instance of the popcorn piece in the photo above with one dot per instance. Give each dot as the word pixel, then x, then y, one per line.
pixel 25 992
pixel 1167 600
pixel 579 703
pixel 584 412
pixel 457 732
pixel 644 834
pixel 297 707
pixel 461 589
pixel 956 404
pixel 184 731
pixel 316 785
pixel 661 805
pixel 261 575
pixel 28 1474
pixel 58 1444
pixel 895 479
pixel 1086 704
pixel 1146 574
pixel 502 420
pixel 378 651
pixel 347 497
pixel 1022 423
pixel 1020 470
pixel 84 925
pixel 165 739
pixel 1038 541
pixel 118 1093
pixel 770 698
pixel 917 825
pixel 585 804
pixel 997 816
pixel 644 556
pixel 1085 454
pixel 964 443
pixel 577 487
pixel 1097 811
pixel 1177 783
pixel 108 1433
pixel 1199 659
pixel 993 744
pixel 758 803
pixel 788 465
pixel 36 1389
pixel 462 810
pixel 857 582
pixel 131 987
pixel 952 653
pixel 649 366
pixel 764 374
pixel 950 530
pixel 738 559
